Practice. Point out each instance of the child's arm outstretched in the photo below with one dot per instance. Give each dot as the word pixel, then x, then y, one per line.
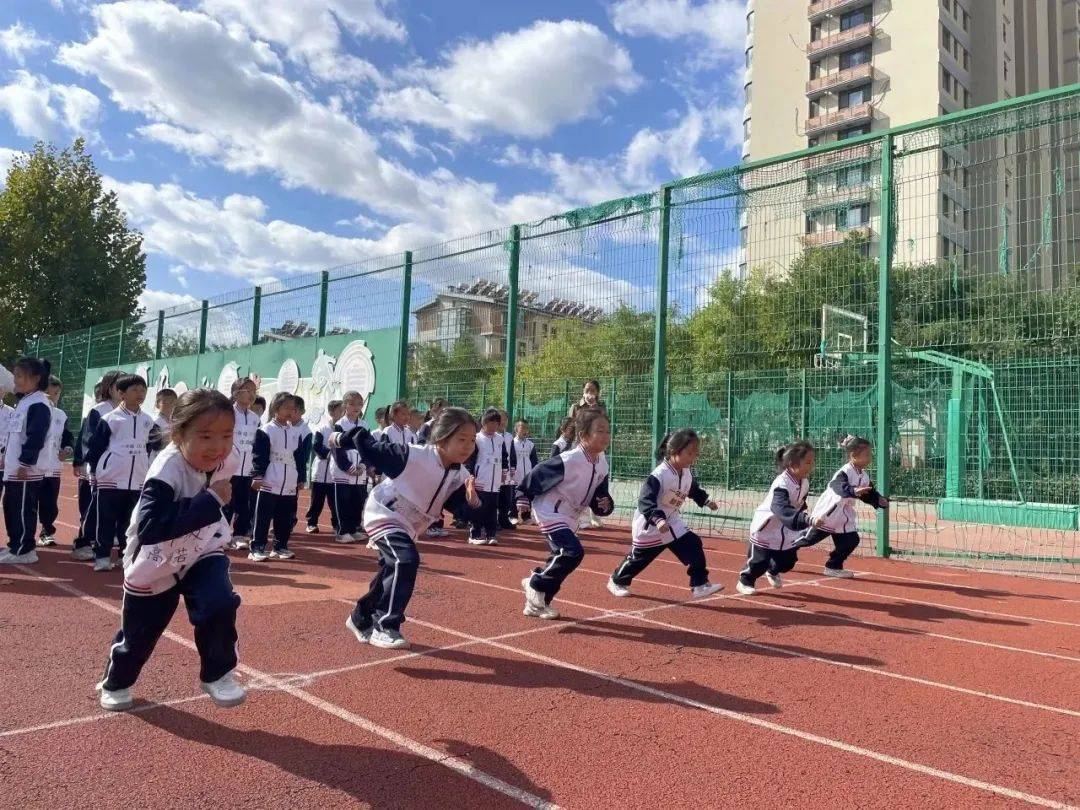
pixel 388 457
pixel 701 497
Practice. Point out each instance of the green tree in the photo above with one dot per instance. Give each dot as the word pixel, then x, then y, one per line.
pixel 67 257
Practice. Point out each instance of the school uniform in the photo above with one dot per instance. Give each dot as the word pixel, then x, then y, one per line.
pixel 175 547
pixel 58 440
pixel 507 498
pixel 88 499
pixel 401 436
pixel 119 458
pixel 777 525
pixel 525 458
pixel 559 446
pixel 488 464
pixel 559 491
pixel 349 476
pixel 661 498
pixel 836 511
pixel 280 458
pixel 424 433
pixel 245 427
pixel 160 435
pixel 322 484
pixel 28 427
pixel 415 489
pixel 6 412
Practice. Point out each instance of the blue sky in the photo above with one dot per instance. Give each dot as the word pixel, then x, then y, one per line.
pixel 253 139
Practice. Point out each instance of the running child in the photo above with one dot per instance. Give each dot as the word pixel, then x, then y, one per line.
pixel 278 471
pixel 107 399
pixel 559 490
pixel 779 521
pixel 349 473
pixel 565 440
pixel 834 513
pixel 657 523
pixel 58 449
pixel 119 458
pixel 175 548
pixel 507 498
pixel 322 485
pixel 397 430
pixel 247 423
pixel 419 482
pixel 165 402
pixel 24 462
pixel 488 464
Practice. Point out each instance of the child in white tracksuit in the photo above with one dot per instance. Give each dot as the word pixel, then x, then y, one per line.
pixel 657 523
pixel 834 513
pixel 175 548
pixel 278 471
pixel 488 465
pixel 349 473
pixel 322 485
pixel 780 521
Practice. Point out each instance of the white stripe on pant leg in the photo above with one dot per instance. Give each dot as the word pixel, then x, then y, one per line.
pixel 22 518
pixel 337 509
pixel 255 525
pixel 112 648
pixel 393 587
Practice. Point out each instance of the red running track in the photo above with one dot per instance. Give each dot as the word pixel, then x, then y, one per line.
pixel 910 686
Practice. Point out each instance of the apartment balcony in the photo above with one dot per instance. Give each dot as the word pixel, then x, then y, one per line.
pixel 834 237
pixel 841 80
pixel 830 196
pixel 840 119
pixel 859 35
pixel 824 8
pixel 838 158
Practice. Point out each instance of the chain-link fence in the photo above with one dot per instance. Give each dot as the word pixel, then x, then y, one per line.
pixel 919 287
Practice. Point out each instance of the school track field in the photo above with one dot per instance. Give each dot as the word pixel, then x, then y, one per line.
pixel 908 687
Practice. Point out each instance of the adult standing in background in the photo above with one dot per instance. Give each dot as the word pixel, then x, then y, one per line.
pixel 590 398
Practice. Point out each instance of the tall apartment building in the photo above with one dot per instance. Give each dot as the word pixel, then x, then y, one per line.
pixel 820 71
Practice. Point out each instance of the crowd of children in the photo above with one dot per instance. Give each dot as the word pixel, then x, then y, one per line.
pixel 208 473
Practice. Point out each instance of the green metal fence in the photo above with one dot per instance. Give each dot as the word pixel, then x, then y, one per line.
pixel 920 286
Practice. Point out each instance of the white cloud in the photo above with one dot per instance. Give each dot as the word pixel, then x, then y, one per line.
pixel 18 40
pixel 153 300
pixel 719 24
pixel 7 157
pixel 40 109
pixel 524 83
pixel 310 31
pixel 217 93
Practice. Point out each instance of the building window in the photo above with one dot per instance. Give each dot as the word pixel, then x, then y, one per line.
pixel 815 32
pixel 854 96
pixel 853 176
pixel 852 132
pixel 859 56
pixel 815 108
pixel 815 69
pixel 853 217
pixel 855 18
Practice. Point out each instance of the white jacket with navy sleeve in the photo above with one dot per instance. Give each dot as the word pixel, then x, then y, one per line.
pixel 245 427
pixel 780 520
pixel 319 446
pixel 525 456
pixel 562 488
pixel 401 436
pixel 280 453
pixel 28 429
pixel 489 461
pixel 343 459
pixel 6 412
pixel 662 496
pixel 415 486
pixel 57 440
pixel 836 506
pixel 177 522
pixel 119 450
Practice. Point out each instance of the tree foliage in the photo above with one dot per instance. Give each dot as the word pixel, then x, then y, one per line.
pixel 67 257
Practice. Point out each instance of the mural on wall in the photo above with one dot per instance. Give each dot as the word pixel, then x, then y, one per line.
pixel 352 369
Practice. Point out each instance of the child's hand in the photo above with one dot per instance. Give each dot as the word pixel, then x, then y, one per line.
pixel 470 493
pixel 354 471
pixel 22 473
pixel 524 512
pixel 661 525
pixel 78 473
pixel 256 483
pixel 883 503
pixel 713 505
pixel 819 523
pixel 223 489
pixel 606 503
pixel 862 491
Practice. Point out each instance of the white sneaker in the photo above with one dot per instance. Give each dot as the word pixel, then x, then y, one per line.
pixel 243 541
pixel 46 540
pixel 546 612
pixel 226 691
pixel 117 700
pixel 491 541
pixel 344 539
pixel 83 553
pixel 258 556
pixel 312 530
pixel 839 573
pixel 617 590
pixel 745 590
pixel 708 589
pixel 363 636
pixel 103 564
pixel 284 554
pixel 18 559
pixel 595 522
pixel 388 640
pixel 533 597
pixel 371 543
pixel 775 580
pixel 435 531
pixel 477 541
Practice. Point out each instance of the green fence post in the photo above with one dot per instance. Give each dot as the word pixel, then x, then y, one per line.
pixel 324 301
pixel 803 402
pixel 611 413
pixel 884 370
pixel 120 343
pixel 520 400
pixel 403 338
pixel 659 421
pixel 566 396
pixel 202 325
pixel 160 334
pixel 512 318
pixel 89 344
pixel 59 365
pixel 483 396
pixel 730 430
pixel 256 316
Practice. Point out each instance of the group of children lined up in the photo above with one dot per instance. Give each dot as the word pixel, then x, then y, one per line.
pixel 184 516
